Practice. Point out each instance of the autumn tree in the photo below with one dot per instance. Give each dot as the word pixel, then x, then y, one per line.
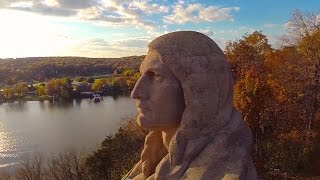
pixel 304 37
pixel 98 85
pixel 59 88
pixel 247 57
pixel 304 31
pixel 21 89
pixel 248 53
pixel 8 93
pixel 309 46
pixel 286 112
pixel 131 81
pixel 43 68
pixel 42 90
pixel 255 95
pixel 288 80
pixel 301 25
pixel 118 153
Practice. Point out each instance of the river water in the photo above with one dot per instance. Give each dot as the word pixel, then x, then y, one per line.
pixel 33 126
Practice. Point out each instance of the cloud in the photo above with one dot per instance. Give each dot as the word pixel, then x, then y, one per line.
pixel 133 12
pixel 318 19
pixel 46 10
pixel 118 12
pixel 288 25
pixel 222 36
pixel 69 4
pixel 207 32
pixel 7 3
pixel 221 42
pixel 40 7
pixel 196 13
pixel 76 4
pixel 89 13
pixel 140 43
pixel 101 48
pixel 52 3
pixel 96 14
pixel 180 2
pixel 22 4
pixel 149 8
pixel 98 42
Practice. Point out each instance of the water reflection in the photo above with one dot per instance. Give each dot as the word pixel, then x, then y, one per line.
pixel 52 127
pixel 15 106
pixel 77 102
pixel 42 105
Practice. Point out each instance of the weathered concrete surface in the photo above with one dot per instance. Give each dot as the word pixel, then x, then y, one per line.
pixel 195 132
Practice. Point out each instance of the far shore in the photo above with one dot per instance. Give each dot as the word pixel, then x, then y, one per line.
pixel 50 98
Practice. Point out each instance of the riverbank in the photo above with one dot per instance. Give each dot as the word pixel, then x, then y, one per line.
pixel 65 89
pixel 28 98
pixel 87 95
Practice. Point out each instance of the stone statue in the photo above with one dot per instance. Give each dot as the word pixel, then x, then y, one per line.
pixel 185 99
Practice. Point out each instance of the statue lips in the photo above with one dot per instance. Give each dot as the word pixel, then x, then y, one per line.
pixel 142 108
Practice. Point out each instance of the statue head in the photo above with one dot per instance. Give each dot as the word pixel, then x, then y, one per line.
pixel 177 67
pixel 158 94
pixel 186 84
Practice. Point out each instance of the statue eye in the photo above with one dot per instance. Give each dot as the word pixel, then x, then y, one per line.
pixel 153 75
pixel 150 73
pixel 156 74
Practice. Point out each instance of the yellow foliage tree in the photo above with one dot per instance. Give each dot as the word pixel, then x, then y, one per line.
pixel 21 89
pixel 98 85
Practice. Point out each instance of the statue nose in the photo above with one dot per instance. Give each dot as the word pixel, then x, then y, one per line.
pixel 139 90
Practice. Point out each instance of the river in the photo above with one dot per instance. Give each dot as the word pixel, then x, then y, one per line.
pixel 34 126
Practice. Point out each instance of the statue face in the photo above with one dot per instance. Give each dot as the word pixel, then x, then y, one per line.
pixel 160 102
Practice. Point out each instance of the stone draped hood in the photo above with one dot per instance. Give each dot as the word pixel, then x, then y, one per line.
pixel 212 141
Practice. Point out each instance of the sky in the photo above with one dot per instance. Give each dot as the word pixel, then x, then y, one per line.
pixel 118 28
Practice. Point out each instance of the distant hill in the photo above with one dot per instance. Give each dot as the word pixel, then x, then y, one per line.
pixel 44 68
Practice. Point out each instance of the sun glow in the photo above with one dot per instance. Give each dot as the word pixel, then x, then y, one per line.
pixel 5 140
pixel 25 34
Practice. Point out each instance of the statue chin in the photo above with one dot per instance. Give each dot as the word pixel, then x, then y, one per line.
pixel 146 122
pixel 141 120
